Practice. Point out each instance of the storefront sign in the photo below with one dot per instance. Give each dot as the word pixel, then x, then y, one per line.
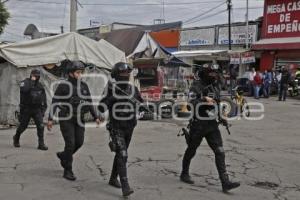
pixel 235 58
pixel 238 34
pixel 242 58
pixel 247 57
pixel 197 37
pixel 281 18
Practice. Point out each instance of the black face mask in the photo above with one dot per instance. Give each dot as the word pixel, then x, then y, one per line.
pixel 37 79
pixel 122 78
pixel 72 80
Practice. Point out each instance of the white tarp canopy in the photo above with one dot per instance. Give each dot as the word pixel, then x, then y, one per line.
pixel 55 49
pixel 147 44
pixel 23 57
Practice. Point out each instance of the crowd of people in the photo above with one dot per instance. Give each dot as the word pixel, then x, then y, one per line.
pixel 263 84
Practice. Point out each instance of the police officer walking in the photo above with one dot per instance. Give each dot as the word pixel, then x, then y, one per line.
pixel 33 104
pixel 121 100
pixel 205 125
pixel 73 98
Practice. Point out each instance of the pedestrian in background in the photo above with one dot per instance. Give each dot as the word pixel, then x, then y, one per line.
pixel 267 81
pixel 233 73
pixel 257 85
pixel 251 81
pixel 278 80
pixel 283 86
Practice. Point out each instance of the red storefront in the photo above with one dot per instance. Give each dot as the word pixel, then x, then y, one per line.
pixel 280 37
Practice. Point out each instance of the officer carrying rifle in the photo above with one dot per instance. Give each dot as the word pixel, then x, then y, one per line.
pixel 205 98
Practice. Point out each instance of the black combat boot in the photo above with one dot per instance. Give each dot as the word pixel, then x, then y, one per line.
pixel 186 178
pixel 63 162
pixel 227 184
pixel 186 161
pixel 126 190
pixel 16 140
pixel 113 181
pixel 69 175
pixel 42 145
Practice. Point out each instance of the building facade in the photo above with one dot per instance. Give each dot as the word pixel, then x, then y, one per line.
pixel 280 34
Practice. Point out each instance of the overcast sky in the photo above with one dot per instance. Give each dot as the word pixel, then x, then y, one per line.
pixel 49 15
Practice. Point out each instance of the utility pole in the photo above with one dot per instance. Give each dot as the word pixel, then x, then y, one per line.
pixel 247 24
pixel 229 7
pixel 163 9
pixel 73 15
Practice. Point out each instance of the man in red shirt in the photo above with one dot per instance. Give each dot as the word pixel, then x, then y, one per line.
pixel 257 85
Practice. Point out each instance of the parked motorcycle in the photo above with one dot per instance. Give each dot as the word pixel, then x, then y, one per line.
pixel 294 87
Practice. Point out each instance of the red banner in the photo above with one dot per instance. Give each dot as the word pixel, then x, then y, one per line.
pixel 281 18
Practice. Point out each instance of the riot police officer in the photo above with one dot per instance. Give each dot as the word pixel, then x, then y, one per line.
pixel 33 104
pixel 204 124
pixel 73 98
pixel 121 100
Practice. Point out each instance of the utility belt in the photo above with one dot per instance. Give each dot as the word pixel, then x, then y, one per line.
pixel 30 106
pixel 65 111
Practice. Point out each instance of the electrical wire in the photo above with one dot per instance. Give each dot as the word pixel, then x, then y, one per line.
pixel 222 11
pixel 208 16
pixel 123 4
pixel 64 15
pixel 204 13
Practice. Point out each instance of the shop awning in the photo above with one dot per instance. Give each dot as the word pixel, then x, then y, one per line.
pixel 277 44
pixel 198 53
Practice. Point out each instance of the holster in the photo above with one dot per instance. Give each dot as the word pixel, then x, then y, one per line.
pixel 187 135
pixel 112 146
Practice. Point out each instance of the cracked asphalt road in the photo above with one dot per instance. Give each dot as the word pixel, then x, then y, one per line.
pixel 263 155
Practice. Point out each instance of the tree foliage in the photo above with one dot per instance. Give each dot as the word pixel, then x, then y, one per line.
pixel 4 15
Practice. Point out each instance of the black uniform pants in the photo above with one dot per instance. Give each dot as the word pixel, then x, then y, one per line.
pixel 214 140
pixel 26 114
pixel 121 138
pixel 73 135
pixel 282 91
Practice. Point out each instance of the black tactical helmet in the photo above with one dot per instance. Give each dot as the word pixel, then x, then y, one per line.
pixel 35 72
pixel 208 73
pixel 75 65
pixel 120 68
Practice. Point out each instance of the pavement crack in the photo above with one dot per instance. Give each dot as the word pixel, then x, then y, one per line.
pixel 102 172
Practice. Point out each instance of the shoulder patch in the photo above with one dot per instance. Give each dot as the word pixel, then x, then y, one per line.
pixel 22 84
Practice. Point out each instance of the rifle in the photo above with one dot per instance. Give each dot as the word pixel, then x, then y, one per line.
pixel 217 98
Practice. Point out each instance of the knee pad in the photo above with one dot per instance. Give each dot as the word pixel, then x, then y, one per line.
pixel 122 155
pixel 219 151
